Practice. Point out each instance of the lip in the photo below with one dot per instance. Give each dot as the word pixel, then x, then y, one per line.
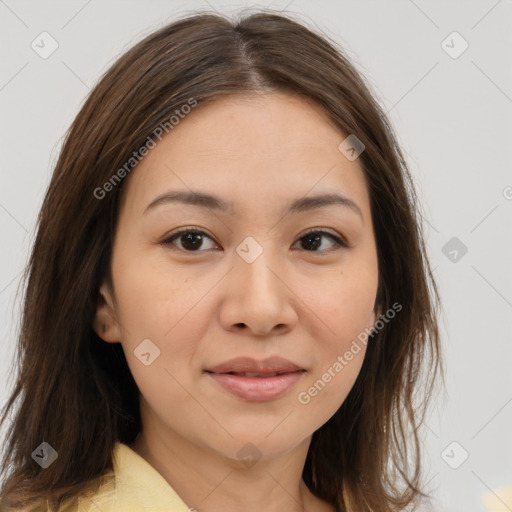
pixel 246 364
pixel 256 388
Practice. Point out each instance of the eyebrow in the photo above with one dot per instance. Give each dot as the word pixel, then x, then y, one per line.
pixel 209 201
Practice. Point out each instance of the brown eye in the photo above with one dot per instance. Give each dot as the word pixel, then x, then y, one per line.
pixel 191 240
pixel 312 241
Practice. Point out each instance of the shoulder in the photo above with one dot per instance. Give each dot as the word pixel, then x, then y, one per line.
pixel 133 486
pixel 98 495
pixel 493 503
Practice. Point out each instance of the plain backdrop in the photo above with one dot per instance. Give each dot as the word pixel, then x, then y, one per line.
pixel 451 108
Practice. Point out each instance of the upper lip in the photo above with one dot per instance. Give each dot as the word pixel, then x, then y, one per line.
pixel 247 364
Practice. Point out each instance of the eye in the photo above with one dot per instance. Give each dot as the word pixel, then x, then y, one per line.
pixel 313 238
pixel 189 238
pixel 192 239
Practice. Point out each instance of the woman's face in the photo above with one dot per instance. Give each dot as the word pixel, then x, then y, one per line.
pixel 251 284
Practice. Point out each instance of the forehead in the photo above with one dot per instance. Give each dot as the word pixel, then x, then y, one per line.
pixel 243 124
pixel 245 148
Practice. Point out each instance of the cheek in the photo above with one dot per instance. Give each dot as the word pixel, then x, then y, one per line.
pixel 158 337
pixel 169 339
pixel 163 307
pixel 152 297
pixel 339 353
pixel 345 308
pixel 346 304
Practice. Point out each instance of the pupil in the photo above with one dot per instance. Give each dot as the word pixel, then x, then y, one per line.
pixel 315 239
pixel 191 240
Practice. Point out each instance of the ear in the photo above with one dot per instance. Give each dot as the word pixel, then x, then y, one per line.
pixel 105 323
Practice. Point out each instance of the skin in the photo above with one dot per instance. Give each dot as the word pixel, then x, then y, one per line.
pixel 208 305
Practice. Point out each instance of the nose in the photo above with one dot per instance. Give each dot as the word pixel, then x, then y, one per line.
pixel 257 297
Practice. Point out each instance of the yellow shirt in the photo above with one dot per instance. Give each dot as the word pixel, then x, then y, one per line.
pixel 498 500
pixel 136 486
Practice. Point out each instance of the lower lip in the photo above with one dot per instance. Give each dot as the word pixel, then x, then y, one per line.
pixel 257 389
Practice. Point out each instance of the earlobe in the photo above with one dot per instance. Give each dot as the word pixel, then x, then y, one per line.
pixel 105 322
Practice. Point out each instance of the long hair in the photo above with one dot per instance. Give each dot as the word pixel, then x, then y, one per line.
pixel 76 392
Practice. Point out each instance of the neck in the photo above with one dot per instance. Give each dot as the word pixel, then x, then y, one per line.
pixel 208 482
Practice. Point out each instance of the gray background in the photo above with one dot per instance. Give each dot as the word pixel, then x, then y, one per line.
pixel 452 117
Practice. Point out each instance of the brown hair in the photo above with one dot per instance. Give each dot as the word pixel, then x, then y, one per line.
pixel 76 392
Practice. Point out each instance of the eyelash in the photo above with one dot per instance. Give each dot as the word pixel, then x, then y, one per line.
pixel 339 242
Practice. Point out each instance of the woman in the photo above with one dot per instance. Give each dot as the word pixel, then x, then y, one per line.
pixel 228 302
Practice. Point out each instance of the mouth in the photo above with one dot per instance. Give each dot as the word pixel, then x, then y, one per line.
pixel 257 386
